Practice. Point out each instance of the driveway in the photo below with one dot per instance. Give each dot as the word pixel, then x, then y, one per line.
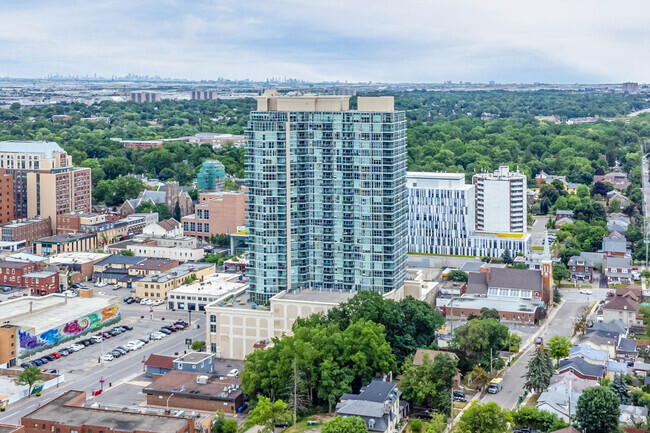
pixel 537 232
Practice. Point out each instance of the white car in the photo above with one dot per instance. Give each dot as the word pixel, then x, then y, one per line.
pixel 149 302
pixel 143 301
pixel 156 336
pixel 585 291
pixel 77 347
pixel 107 357
pixel 96 339
pixel 102 284
pixel 101 293
pixel 233 373
pixel 135 343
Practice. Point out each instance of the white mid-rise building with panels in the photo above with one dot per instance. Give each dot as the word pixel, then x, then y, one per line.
pixel 441 213
pixel 444 216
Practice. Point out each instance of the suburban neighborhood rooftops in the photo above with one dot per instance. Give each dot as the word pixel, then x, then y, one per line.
pixel 504 278
pixel 377 391
pixel 588 352
pixel 184 383
pixel 154 264
pixel 472 266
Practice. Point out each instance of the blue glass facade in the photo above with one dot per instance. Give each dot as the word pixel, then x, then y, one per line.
pixel 327 201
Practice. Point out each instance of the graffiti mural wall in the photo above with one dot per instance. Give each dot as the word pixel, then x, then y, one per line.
pixel 33 343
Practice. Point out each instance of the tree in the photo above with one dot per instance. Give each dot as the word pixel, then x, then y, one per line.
pixel 514 341
pixel 559 347
pixel 267 413
pixel 479 342
pixel 557 296
pixel 220 240
pixel 507 257
pixel 614 206
pixel 222 425
pixel 416 425
pixel 437 424
pixel 457 275
pixel 484 418
pixel 645 273
pixel 560 272
pixel 128 253
pixel 581 322
pixel 526 416
pixel 177 211
pixel 489 313
pixel 350 424
pixel 620 388
pixel 198 346
pixel 30 377
pixel 549 194
pixel 598 410
pixel 230 185
pixel 430 383
pixel 599 188
pixel 540 370
pixel 479 377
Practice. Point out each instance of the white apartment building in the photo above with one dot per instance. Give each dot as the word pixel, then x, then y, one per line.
pixel 501 201
pixel 444 218
pixel 441 213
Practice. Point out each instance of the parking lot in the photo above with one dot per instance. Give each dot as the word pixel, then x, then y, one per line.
pixel 144 320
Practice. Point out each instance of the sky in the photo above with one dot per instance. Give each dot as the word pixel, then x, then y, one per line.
pixel 508 41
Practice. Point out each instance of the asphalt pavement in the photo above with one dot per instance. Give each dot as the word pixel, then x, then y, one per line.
pixel 82 371
pixel 560 324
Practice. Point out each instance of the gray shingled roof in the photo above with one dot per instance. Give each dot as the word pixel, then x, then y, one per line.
pixel 515 279
pixel 581 366
pixel 615 245
pixel 476 284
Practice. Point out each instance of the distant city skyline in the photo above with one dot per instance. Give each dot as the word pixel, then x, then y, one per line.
pixel 413 41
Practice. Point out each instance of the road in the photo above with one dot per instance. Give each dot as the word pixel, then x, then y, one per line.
pixel 538 230
pixel 561 324
pixel 82 372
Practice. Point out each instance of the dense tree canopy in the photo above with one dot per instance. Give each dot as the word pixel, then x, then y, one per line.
pixel 410 324
pixel 598 410
pixel 478 342
pixel 429 384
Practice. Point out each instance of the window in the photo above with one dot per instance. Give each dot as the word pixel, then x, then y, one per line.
pixel 192 227
pixel 185 226
pixel 213 318
pixel 199 214
pixel 206 214
pixel 213 328
pixel 213 347
pixel 206 228
pixel 199 227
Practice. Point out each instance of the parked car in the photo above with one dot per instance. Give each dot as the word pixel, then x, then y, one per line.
pixel 128 327
pixel 145 339
pixel 116 287
pixel 233 373
pixel 64 352
pixel 102 284
pixel 143 301
pixel 50 357
pixel 122 350
pixel 108 357
pixel 44 360
pixel 158 335
pixel 585 291
pixel 77 347
pixel 181 322
pixel 116 353
pixel 96 339
pixel 127 299
pixel 38 362
pixel 165 331
pixel 25 364
pixel 55 355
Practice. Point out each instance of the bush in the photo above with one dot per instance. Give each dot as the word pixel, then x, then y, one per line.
pixel 416 425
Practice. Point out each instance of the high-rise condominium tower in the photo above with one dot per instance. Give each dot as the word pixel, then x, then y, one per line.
pixel 327 198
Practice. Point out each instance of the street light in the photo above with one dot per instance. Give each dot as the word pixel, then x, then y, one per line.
pixel 170 396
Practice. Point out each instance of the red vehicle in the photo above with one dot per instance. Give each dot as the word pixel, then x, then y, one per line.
pixel 56 355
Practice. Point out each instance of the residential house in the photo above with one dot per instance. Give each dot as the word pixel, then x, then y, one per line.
pixel 589 354
pixel 581 270
pixel 582 368
pixel 559 214
pixel 618 180
pixel 561 397
pixel 617 269
pixel 614 246
pixel 601 340
pixel 565 220
pixel 626 350
pixel 517 283
pixel 166 228
pixel 195 362
pixel 378 405
pixel 616 195
pixel 622 308
pixel 617 222
pixel 615 368
pixel 543 177
pixel 572 187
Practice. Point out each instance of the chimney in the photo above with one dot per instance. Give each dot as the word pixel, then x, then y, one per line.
pixel 487 275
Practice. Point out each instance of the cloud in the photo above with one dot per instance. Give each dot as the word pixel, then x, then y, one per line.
pixel 360 40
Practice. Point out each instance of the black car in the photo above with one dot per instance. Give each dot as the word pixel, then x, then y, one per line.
pixel 127 299
pixel 38 362
pixel 165 331
pixel 44 360
pixel 84 343
pixel 25 364
pixel 145 339
pixel 181 322
pixel 50 357
pixel 128 327
pixel 123 349
pixel 459 394
pixel 116 353
pixel 170 328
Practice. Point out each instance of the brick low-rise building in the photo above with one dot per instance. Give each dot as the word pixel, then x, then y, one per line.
pixel 27 230
pixel 67 414
pixel 13 273
pixel 196 391
pixel 216 213
pixel 43 282
pixel 580 269
pixel 6 197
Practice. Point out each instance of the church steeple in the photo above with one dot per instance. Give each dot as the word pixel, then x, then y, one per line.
pixel 547 252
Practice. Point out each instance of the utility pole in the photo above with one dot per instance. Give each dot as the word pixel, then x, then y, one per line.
pixel 491 360
pixel 451 316
pixel 295 390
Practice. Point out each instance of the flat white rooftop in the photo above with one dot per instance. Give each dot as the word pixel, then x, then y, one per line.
pixel 76 258
pixel 217 284
pixel 50 311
